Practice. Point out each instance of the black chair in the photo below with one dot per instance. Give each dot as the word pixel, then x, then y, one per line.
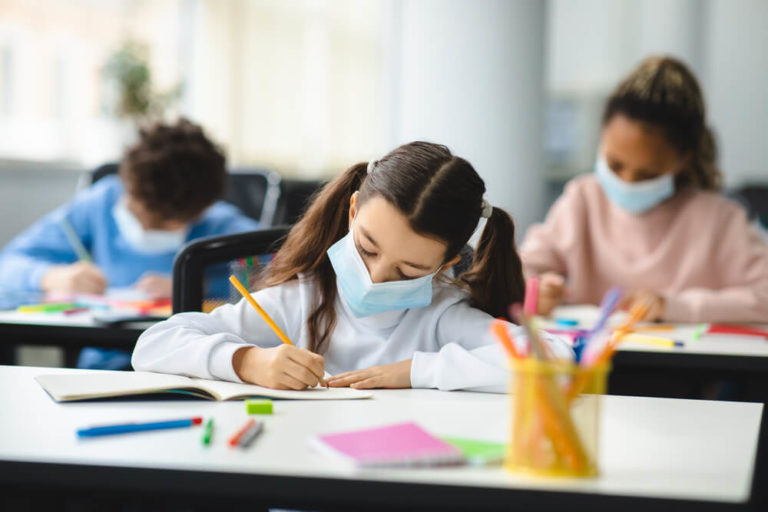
pixel 256 192
pixel 754 197
pixel 190 264
pixel 295 196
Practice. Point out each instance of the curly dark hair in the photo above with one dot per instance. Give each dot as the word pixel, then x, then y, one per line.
pixel 174 170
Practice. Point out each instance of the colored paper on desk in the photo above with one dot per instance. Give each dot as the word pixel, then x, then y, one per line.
pixel 399 445
pixel 479 453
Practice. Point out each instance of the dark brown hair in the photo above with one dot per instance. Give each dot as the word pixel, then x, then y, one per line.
pixel 174 170
pixel 663 92
pixel 440 194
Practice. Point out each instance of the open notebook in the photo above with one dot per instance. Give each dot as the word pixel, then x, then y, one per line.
pixel 108 384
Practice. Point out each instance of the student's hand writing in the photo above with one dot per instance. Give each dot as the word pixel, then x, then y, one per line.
pixel 395 375
pixel 655 301
pixel 283 367
pixel 80 277
pixel 156 286
pixel 551 292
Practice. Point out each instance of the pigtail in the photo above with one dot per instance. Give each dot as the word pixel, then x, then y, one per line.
pixel 495 279
pixel 304 251
pixel 704 162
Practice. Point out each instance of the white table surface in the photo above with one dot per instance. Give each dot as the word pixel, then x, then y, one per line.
pixel 650 447
pixel 81 319
pixel 709 344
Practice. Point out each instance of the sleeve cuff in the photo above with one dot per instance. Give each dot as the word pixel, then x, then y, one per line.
pixel 675 310
pixel 220 361
pixel 35 278
pixel 424 370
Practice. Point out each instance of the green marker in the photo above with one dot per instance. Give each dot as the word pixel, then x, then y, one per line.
pixel 699 332
pixel 208 432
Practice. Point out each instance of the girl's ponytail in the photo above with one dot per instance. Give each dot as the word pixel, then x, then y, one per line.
pixel 495 279
pixel 704 171
pixel 304 251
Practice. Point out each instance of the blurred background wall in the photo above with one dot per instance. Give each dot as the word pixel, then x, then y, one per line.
pixel 308 87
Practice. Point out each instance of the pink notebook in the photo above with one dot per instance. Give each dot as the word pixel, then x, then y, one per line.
pixel 403 444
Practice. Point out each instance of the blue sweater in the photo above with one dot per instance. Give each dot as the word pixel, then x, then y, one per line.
pixel 26 259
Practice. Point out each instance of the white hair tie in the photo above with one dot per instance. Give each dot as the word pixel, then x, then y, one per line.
pixel 487 209
pixel 371 165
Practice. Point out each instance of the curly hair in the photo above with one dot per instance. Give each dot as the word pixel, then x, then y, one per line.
pixel 174 170
pixel 662 91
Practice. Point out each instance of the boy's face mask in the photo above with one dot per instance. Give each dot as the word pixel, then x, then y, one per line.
pixel 148 241
pixel 634 197
pixel 363 296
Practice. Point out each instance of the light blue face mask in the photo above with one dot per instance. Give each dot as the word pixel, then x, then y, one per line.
pixel 634 197
pixel 363 296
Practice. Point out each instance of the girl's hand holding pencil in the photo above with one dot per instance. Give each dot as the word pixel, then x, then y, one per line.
pixel 283 367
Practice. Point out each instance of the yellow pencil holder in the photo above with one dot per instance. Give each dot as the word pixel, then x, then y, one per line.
pixel 555 418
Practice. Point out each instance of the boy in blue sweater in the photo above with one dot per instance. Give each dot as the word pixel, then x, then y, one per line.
pixel 166 193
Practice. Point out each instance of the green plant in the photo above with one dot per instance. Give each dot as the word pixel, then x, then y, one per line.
pixel 127 72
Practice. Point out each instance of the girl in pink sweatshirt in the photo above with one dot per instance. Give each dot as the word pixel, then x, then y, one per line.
pixel 650 219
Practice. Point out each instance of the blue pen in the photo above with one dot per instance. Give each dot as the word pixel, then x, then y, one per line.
pixel 125 428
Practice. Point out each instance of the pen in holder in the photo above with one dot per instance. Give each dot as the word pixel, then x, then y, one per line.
pixel 555 417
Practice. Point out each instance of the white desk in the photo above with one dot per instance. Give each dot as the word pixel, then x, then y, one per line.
pixel 709 344
pixel 711 358
pixel 650 448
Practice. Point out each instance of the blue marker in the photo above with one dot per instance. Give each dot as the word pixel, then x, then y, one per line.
pixel 124 428
pixel 566 322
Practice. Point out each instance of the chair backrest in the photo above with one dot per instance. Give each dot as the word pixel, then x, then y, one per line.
pixel 754 197
pixel 190 264
pixel 104 170
pixel 256 192
pixel 294 199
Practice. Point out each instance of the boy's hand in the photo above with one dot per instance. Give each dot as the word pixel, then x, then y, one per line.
pixel 156 286
pixel 656 304
pixel 283 367
pixel 395 375
pixel 80 277
pixel 551 292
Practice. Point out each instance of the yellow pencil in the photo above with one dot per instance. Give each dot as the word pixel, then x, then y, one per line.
pixel 654 328
pixel 271 323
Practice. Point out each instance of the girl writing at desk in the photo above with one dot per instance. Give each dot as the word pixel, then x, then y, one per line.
pixel 650 219
pixel 361 286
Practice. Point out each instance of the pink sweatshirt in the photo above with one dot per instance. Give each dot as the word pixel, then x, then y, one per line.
pixel 696 249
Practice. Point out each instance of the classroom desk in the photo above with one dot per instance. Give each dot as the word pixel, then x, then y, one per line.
pixel 661 453
pixel 711 358
pixel 71 333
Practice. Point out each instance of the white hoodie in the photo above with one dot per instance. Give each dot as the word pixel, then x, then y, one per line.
pixel 450 342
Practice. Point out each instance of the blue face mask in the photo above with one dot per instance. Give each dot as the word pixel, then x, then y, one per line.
pixel 634 197
pixel 363 296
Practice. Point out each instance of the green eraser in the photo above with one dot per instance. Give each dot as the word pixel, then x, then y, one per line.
pixel 258 406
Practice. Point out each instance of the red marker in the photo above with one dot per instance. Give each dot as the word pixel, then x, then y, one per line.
pixel 235 439
pixel 736 329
